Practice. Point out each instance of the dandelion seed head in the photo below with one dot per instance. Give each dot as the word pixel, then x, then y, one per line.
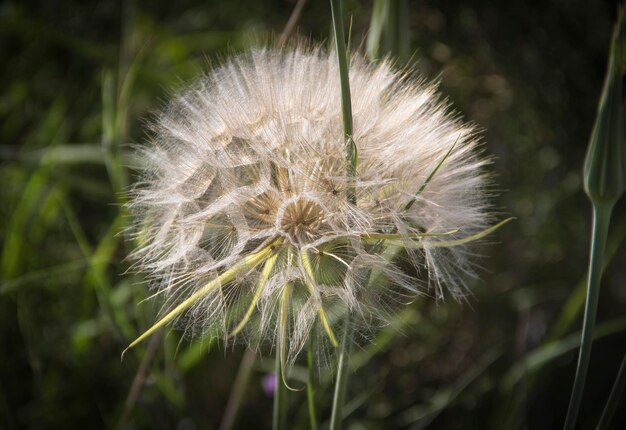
pixel 252 157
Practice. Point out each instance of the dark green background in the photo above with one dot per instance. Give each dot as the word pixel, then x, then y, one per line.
pixel 78 81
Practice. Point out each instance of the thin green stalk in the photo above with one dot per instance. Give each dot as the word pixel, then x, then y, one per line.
pixel 342 375
pixel 380 11
pixel 280 395
pixel 238 390
pixel 352 161
pixel 310 386
pixel 604 174
pixel 389 32
pixel 601 220
pixel 342 58
pixel 616 393
pixel 344 77
pixel 97 269
pixel 574 304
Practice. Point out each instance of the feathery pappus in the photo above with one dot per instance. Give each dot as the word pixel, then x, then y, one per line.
pixel 242 212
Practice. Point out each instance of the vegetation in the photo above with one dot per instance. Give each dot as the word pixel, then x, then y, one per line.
pixel 80 79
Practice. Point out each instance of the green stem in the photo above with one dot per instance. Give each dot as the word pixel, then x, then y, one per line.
pixel 601 220
pixel 616 393
pixel 352 160
pixel 342 57
pixel 310 386
pixel 342 375
pixel 280 395
pixel 238 390
pixel 344 78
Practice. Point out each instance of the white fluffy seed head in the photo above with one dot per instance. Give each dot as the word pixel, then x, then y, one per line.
pixel 254 153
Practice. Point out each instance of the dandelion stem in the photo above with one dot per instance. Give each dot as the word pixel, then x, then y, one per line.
pixel 310 386
pixel 342 375
pixel 601 220
pixel 280 395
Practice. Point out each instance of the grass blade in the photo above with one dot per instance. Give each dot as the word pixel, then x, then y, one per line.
pixel 616 393
pixel 310 386
pixel 601 220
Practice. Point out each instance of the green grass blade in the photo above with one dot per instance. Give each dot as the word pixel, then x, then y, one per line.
pixel 280 396
pixel 35 277
pixel 538 358
pixel 341 383
pixel 601 221
pixel 614 397
pixel 344 77
pixel 575 303
pixel 310 385
pixel 380 11
pixel 430 177
pixel 445 396
pixel 352 162
pixel 238 390
pixel 36 189
pixel 99 260
pixel 389 32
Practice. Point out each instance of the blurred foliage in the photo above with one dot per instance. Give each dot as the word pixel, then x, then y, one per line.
pixel 79 80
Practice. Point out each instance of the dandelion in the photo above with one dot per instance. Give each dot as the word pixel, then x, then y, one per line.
pixel 243 216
